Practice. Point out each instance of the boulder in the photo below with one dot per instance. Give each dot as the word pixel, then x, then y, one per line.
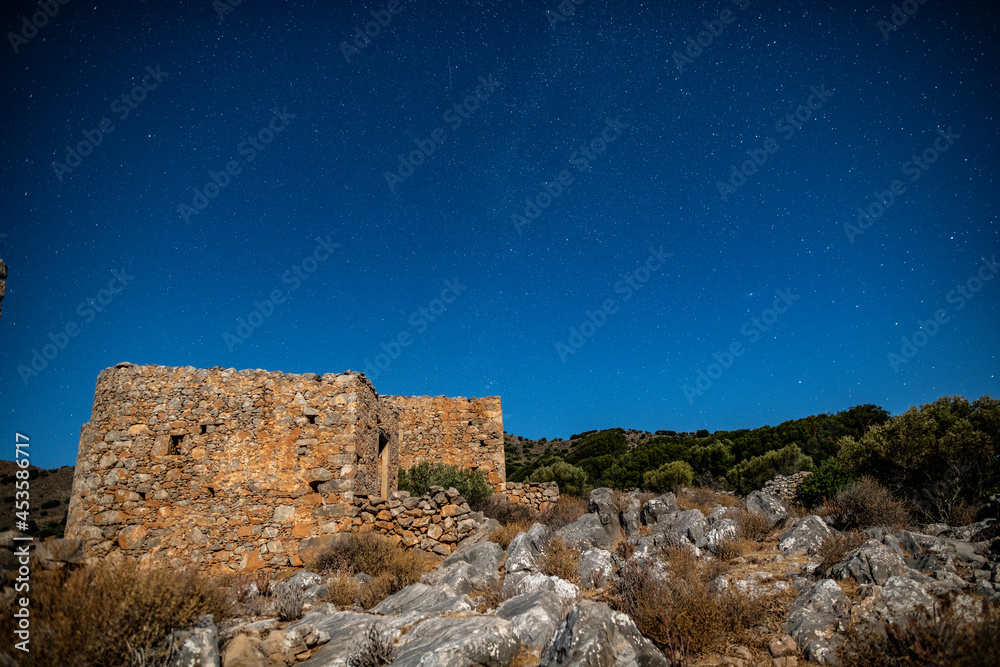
pixel 893 601
pixel 587 532
pixel 602 504
pixel 469 568
pixel 723 530
pixel 767 506
pixel 806 534
pixel 424 599
pixel 527 582
pixel 198 646
pixel 871 563
pixel 458 642
pixel 54 552
pixel 535 616
pixel 304 579
pixel 596 567
pixel 631 515
pixel 344 628
pixel 525 549
pixel 816 614
pixel 690 524
pixel 658 507
pixel 592 635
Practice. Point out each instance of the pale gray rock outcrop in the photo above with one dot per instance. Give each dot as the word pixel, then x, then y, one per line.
pixel 525 549
pixel 197 646
pixel 721 531
pixel 767 506
pixel 535 616
pixel 587 532
pixel 602 504
pixel 658 507
pixel 458 642
pixel 592 635
pixel 871 563
pixel 806 534
pixel 596 568
pixel 815 617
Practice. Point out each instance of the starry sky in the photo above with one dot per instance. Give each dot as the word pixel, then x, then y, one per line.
pixel 637 214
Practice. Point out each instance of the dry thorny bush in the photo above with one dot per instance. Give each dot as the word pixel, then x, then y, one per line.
pixel 836 546
pixel 704 499
pixel 500 508
pixel 751 525
pixel 564 512
pixel 561 560
pixel 952 637
pixel 865 504
pixel 391 567
pixel 374 648
pixel 104 615
pixel 682 614
pixel 507 532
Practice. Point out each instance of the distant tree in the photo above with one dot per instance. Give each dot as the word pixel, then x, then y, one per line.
pixel 751 474
pixel 571 480
pixel 715 458
pixel 702 433
pixel 825 482
pixel 669 477
pixel 942 457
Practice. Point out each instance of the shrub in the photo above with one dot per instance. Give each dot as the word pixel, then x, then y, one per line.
pixel 288 602
pixel 751 526
pixel 867 503
pixel 392 566
pixel 751 474
pixel 100 615
pixel 373 650
pixel 829 478
pixel 714 459
pixel 952 637
pixel 472 484
pixel 342 590
pixel 560 560
pixel 941 458
pixel 507 513
pixel 836 546
pixel 564 512
pixel 571 479
pixel 669 476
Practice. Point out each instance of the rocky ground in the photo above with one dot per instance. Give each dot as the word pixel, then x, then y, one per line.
pixel 486 605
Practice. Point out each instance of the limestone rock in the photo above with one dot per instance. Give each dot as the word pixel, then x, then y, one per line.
pixel 525 549
pixel 871 563
pixel 767 506
pixel 198 646
pixel 596 568
pixel 806 534
pixel 816 615
pixel 242 653
pixel 723 530
pixel 602 504
pixel 587 532
pixel 690 524
pixel 535 616
pixel 458 642
pixel 657 507
pixel 592 635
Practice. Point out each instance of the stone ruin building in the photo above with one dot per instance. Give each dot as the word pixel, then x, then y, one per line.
pixel 241 469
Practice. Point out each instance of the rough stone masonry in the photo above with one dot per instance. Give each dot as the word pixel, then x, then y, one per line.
pixel 235 469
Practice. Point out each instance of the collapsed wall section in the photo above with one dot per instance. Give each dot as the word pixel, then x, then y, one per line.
pixel 464 432
pixel 226 468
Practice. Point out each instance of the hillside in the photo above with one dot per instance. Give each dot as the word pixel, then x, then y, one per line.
pixel 49 494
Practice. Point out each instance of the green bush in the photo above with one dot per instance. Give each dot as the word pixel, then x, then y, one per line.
pixel 824 483
pixel 669 476
pixel 571 480
pixel 714 459
pixel 751 474
pixel 472 484
pixel 941 458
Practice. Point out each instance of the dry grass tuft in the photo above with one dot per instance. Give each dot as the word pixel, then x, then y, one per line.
pixel 507 532
pixel 751 526
pixel 565 512
pixel 507 513
pixel 560 560
pixel 865 504
pixel 102 615
pixel 342 590
pixel 704 499
pixel 835 548
pixel 392 566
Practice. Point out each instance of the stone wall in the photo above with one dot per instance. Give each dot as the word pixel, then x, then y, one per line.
pixel 435 522
pixel 465 432
pixel 226 468
pixel 785 486
pixel 539 497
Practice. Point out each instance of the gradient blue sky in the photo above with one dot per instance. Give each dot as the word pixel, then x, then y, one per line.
pixel 654 186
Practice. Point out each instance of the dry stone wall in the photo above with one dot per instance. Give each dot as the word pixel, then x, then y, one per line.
pixel 226 468
pixel 464 432
pixel 785 486
pixel 539 497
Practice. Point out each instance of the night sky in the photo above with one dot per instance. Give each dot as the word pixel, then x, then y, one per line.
pixel 636 223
